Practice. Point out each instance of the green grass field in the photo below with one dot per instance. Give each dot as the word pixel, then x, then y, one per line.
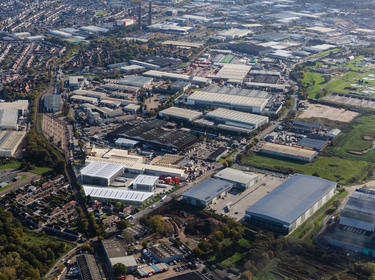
pixel 227 59
pixel 14 164
pixel 352 140
pixel 315 80
pixel 343 171
pixel 232 260
pixel 101 13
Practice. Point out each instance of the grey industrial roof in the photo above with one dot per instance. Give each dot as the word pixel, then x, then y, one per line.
pixel 237 116
pixel 8 118
pixel 52 101
pixel 292 198
pixel 101 169
pixel 235 175
pixel 135 80
pixel 312 143
pixel 117 194
pixel 208 189
pixel 145 180
pixel 360 201
pixel 181 113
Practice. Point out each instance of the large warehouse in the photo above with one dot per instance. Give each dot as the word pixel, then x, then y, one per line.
pixel 8 119
pixel 241 180
pixel 118 194
pixel 100 173
pixel 207 192
pixel 237 118
pixel 291 203
pixel 180 113
pixel 290 152
pixel 145 183
pixel 236 102
pixel 10 141
pixel 359 211
pixel 233 73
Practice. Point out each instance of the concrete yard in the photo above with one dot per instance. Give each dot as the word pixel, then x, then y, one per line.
pixel 327 112
pixel 241 201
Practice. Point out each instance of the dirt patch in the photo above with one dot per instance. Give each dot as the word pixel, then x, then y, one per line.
pixel 355 153
pixel 327 112
pixel 367 138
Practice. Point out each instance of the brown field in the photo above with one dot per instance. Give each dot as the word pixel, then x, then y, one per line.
pixel 327 112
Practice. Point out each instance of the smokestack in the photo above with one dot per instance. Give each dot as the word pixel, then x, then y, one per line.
pixel 150 13
pixel 140 16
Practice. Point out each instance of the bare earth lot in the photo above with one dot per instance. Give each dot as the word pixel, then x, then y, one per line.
pixel 327 112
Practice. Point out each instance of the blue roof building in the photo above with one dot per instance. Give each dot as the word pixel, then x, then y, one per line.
pixel 291 203
pixel 207 192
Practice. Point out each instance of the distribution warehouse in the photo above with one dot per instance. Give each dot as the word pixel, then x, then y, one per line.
pixel 207 192
pixel 180 113
pixel 237 102
pixel 118 194
pixel 241 180
pixel 291 203
pixel 236 118
pixel 101 173
pixel 291 152
pixel 359 211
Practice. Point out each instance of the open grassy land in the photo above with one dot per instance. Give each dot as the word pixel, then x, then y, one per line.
pixel 315 80
pixel 101 13
pixel 316 83
pixel 343 171
pixel 352 139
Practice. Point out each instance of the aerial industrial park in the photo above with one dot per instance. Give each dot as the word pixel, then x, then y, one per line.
pixel 187 139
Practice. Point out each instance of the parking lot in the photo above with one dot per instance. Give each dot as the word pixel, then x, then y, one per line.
pixel 239 202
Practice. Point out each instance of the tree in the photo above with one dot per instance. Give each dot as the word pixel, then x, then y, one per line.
pixel 121 225
pixel 119 269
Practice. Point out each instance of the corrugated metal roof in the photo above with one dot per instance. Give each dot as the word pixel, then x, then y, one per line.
pixel 235 175
pixel 292 198
pixel 208 189
pixel 116 194
pixel 101 169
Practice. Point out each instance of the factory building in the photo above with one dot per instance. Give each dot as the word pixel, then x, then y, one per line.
pixel 84 99
pixel 52 103
pixel 145 183
pixel 237 118
pixel 180 113
pixel 10 141
pixel 290 152
pixel 291 203
pixel 117 194
pixel 115 251
pixel 135 81
pixel 162 253
pixel 100 173
pixel 207 192
pixel 232 73
pixel 240 179
pixel 22 106
pixel 359 211
pixel 235 102
pixel 90 93
pixel 8 119
pixel 88 267
pixel 177 77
